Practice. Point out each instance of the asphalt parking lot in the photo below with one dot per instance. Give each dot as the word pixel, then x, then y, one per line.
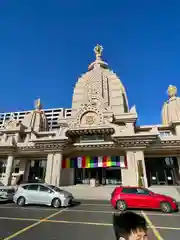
pixel 88 220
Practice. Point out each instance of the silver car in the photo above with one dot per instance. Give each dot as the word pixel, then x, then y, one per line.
pixel 39 193
pixel 6 193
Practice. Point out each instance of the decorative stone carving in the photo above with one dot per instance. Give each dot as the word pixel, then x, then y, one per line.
pixel 11 124
pixel 89 118
pixel 89 114
pixel 64 126
pixel 172 91
pixel 171 108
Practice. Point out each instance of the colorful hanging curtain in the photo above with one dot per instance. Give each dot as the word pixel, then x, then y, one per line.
pixel 94 162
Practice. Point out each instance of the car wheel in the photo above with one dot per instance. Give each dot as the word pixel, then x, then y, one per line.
pixel 121 205
pixel 21 201
pixel 166 207
pixel 56 203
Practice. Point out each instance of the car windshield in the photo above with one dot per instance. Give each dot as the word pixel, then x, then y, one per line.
pixel 55 188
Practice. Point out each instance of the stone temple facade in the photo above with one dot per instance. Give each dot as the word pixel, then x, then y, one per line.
pixel 99 142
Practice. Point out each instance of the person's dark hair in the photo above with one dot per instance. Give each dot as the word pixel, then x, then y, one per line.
pixel 127 222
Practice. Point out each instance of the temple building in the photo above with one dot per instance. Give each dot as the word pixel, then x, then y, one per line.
pixel 98 140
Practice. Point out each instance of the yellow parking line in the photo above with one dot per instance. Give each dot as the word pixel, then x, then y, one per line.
pixel 155 231
pixel 168 228
pixel 48 220
pixel 107 224
pixel 163 214
pixel 20 219
pixel 89 211
pixel 111 212
pixel 32 225
pixel 76 222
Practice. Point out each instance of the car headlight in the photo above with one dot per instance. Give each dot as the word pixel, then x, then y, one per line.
pixel 3 194
pixel 3 190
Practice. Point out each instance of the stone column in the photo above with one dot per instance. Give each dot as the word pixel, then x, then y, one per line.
pixel 56 171
pixel 22 166
pixel 177 129
pixel 140 157
pixel 53 170
pixel 178 160
pixel 49 167
pixel 9 169
pixel 27 168
pixel 130 175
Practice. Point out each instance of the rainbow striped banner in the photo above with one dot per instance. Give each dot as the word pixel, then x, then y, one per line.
pixel 95 162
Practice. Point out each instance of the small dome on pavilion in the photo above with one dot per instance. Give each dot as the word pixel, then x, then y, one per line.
pixel 36 119
pixel 171 108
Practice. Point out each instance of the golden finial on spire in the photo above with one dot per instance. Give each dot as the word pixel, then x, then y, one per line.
pixel 98 51
pixel 172 91
pixel 38 105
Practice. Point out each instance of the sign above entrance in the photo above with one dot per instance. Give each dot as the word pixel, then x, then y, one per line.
pixel 95 162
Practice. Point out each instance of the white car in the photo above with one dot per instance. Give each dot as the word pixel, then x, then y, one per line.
pixel 6 193
pixel 39 193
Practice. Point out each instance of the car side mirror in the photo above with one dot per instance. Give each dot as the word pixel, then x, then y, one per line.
pixel 151 194
pixel 49 191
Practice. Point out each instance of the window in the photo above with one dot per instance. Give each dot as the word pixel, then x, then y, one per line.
pixel 16 166
pixel 129 190
pixel 56 189
pixel 33 187
pixel 43 189
pixel 3 166
pixel 93 138
pixel 165 134
pixel 142 191
pixel 25 187
pixel 168 161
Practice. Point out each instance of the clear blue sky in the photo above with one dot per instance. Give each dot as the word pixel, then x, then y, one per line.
pixel 46 45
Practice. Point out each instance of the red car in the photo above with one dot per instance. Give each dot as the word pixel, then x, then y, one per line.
pixel 138 197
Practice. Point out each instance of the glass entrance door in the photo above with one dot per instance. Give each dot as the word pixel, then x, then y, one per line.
pixel 161 171
pixel 109 176
pixel 37 170
pixel 84 175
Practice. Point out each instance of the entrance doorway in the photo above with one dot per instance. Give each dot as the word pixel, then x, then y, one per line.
pixel 104 176
pixel 37 170
pixel 162 171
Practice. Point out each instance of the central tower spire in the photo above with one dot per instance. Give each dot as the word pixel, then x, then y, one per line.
pixel 98 49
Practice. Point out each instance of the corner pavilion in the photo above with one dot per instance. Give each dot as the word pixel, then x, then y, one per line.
pixel 100 140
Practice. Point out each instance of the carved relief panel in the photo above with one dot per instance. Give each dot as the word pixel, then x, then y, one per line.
pixel 90 118
pixel 105 90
